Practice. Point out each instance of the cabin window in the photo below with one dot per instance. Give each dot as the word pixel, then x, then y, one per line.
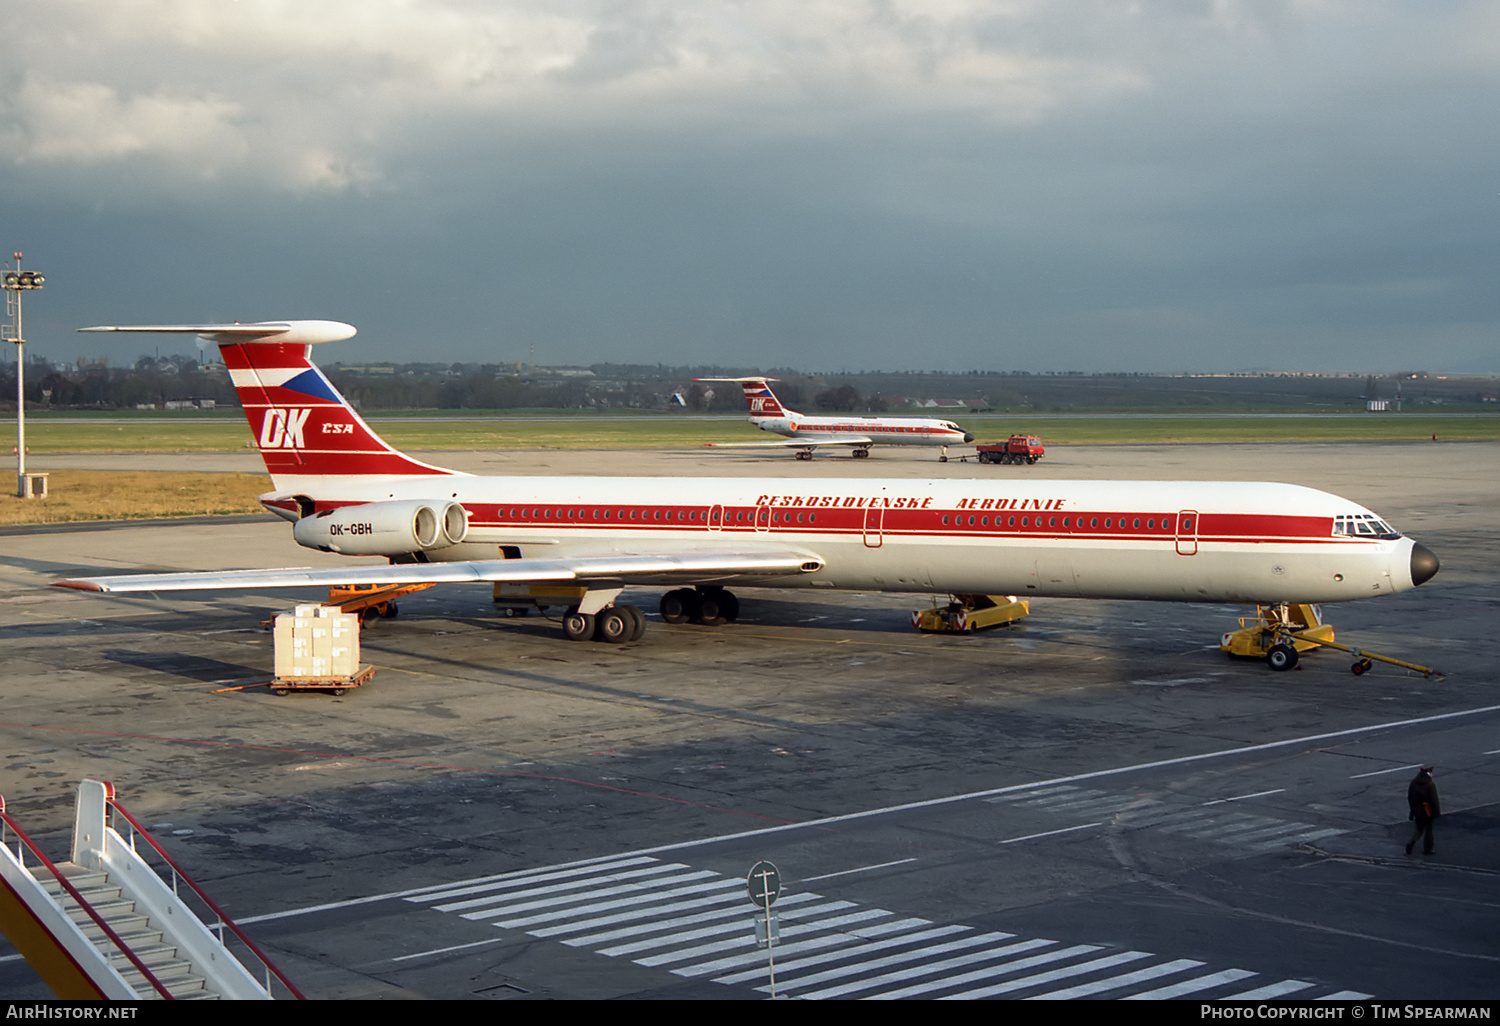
pixel 945 520
pixel 1093 521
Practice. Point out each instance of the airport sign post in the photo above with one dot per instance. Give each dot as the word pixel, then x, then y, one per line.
pixel 15 282
pixel 764 887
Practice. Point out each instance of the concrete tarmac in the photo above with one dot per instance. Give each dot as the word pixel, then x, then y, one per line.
pixel 1092 803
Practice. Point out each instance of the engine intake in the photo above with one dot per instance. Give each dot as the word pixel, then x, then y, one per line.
pixel 384 528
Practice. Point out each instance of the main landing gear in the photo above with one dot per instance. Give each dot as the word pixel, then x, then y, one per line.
pixel 614 624
pixel 711 607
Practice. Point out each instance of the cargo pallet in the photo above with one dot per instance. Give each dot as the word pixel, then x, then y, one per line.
pixel 334 685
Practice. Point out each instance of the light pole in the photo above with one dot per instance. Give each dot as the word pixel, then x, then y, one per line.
pixel 15 282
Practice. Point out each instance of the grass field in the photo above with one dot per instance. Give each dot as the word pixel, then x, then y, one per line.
pixel 107 495
pixel 220 434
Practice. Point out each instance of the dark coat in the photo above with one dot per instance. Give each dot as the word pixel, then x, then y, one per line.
pixel 1422 797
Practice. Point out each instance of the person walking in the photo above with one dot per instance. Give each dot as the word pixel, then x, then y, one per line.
pixel 1422 801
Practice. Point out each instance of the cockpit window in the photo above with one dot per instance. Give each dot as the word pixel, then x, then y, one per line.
pixel 1363 525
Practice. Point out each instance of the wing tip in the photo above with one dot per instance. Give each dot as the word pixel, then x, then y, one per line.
pixel 78 585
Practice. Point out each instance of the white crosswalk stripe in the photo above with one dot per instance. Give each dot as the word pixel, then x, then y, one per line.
pixel 1217 824
pixel 698 923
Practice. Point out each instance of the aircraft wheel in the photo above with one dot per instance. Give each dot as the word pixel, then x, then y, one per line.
pixel 679 606
pixel 711 611
pixel 1281 657
pixel 614 625
pixel 942 459
pixel 729 605
pixel 804 455
pixel 578 626
pixel 637 621
pixel 860 454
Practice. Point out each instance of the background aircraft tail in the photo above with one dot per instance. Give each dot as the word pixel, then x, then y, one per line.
pixel 759 398
pixel 305 429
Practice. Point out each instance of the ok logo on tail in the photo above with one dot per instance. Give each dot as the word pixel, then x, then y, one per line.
pixel 282 428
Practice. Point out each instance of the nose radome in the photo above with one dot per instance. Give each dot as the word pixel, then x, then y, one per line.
pixel 1424 565
pixel 968 437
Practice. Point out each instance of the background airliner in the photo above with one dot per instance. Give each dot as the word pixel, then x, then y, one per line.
pixel 345 490
pixel 805 433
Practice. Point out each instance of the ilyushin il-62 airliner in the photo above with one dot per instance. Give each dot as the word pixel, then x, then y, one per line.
pixel 346 491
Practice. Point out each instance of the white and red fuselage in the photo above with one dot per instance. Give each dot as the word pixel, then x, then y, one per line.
pixel 348 491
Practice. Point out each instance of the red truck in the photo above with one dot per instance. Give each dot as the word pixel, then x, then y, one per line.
pixel 1016 449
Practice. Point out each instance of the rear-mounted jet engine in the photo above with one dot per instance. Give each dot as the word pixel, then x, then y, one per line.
pixel 384 528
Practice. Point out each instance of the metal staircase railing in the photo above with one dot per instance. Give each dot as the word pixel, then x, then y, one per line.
pixel 108 925
pixel 221 921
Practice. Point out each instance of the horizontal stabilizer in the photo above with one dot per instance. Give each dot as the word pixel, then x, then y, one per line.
pixel 295 332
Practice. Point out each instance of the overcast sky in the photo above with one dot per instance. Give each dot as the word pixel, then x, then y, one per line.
pixel 1161 185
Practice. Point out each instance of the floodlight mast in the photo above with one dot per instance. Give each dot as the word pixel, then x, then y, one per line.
pixel 15 282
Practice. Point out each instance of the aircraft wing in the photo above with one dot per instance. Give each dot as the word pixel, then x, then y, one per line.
pixel 800 442
pixel 621 569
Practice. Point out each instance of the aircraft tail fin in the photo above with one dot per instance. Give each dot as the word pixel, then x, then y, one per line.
pixel 305 429
pixel 759 399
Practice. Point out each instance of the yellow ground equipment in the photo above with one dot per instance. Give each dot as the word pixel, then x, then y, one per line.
pixel 520 599
pixel 1270 630
pixel 1280 634
pixel 970 613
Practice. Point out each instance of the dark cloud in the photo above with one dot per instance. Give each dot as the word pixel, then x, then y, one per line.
pixel 1161 186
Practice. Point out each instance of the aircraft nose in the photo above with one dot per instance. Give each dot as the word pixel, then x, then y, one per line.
pixel 1424 565
pixel 968 437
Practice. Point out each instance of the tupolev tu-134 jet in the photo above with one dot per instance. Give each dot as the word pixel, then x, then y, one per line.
pixel 345 490
pixel 805 433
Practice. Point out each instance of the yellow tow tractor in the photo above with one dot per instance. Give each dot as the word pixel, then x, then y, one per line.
pixel 1281 634
pixel 966 613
